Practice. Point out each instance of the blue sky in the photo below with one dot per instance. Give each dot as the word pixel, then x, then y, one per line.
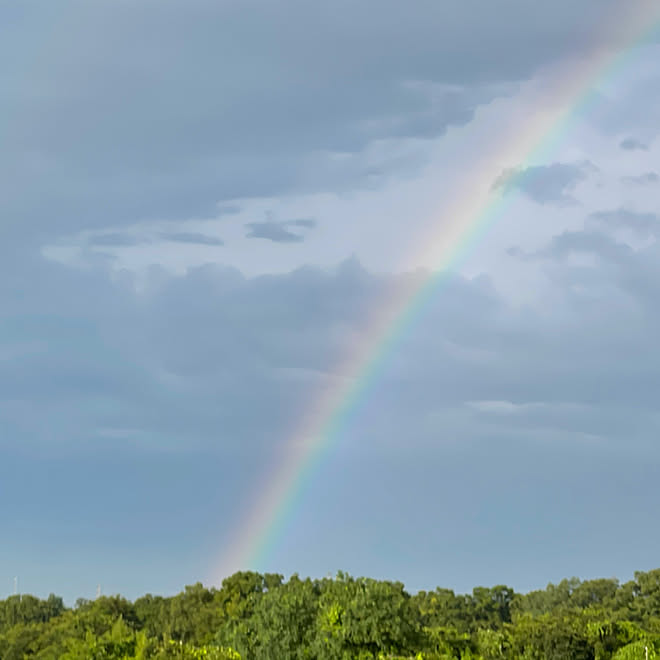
pixel 202 203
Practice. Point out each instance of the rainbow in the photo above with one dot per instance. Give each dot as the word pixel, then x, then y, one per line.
pixel 475 207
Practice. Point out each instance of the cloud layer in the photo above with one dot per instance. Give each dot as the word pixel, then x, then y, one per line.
pixel 279 232
pixel 546 184
pixel 207 102
pixel 155 362
pixel 217 365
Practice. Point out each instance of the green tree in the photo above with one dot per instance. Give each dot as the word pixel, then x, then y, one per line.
pixel 364 615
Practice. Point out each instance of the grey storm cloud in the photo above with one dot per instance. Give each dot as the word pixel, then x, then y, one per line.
pixel 278 231
pixel 546 184
pixel 596 239
pixel 193 354
pixel 205 102
pixel 122 239
pixel 116 239
pixel 194 238
pixel 633 144
pixel 308 223
pixel 584 242
pixel 644 224
pixel 648 178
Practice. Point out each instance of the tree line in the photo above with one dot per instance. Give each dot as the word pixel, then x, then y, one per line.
pixel 265 617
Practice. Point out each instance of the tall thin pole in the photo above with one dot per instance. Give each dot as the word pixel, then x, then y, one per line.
pixel 16 586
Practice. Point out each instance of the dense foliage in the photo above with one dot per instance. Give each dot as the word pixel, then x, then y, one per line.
pixel 267 618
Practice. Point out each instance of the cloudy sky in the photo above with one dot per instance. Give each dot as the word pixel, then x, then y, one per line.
pixel 203 204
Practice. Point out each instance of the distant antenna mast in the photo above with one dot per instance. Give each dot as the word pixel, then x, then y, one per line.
pixel 98 590
pixel 16 586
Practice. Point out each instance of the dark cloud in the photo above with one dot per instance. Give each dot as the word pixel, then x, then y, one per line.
pixel 644 224
pixel 515 251
pixel 161 360
pixel 190 355
pixel 277 231
pixel 191 237
pixel 273 231
pixel 633 144
pixel 116 239
pixel 584 242
pixel 180 345
pixel 212 102
pixel 546 184
pixel 308 223
pixel 645 179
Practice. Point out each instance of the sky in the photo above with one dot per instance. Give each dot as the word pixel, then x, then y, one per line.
pixel 202 204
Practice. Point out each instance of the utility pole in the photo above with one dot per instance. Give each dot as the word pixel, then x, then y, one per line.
pixel 15 586
pixel 98 591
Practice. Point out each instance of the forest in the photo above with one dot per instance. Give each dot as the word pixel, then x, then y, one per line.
pixel 265 617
